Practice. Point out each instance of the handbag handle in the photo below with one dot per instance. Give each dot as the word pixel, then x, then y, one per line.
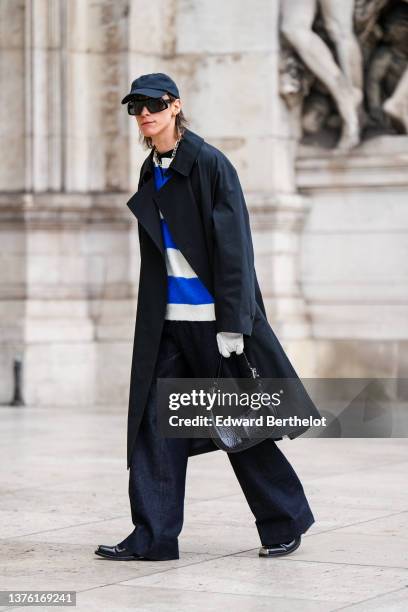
pixel 254 372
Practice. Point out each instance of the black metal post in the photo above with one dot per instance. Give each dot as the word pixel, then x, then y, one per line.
pixel 18 371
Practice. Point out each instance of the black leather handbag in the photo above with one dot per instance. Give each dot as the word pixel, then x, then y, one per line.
pixel 231 438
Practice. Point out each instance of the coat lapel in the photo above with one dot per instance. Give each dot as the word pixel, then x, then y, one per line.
pixel 143 207
pixel 177 203
pixel 181 212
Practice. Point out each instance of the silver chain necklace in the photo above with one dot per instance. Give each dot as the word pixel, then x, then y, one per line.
pixel 158 160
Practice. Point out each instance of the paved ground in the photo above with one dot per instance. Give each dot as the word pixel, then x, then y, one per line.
pixel 63 483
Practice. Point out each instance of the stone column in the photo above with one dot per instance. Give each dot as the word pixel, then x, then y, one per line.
pixel 13 178
pixel 67 286
pixel 227 67
pixel 13 103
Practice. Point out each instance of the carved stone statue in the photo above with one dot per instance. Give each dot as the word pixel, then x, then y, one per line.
pixel 326 48
pixel 387 74
pixel 343 81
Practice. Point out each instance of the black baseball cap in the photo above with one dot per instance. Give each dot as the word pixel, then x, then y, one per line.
pixel 154 85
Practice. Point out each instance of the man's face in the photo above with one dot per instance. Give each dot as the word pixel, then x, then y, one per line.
pixel 151 124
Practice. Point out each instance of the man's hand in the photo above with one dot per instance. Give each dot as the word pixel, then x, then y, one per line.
pixel 229 342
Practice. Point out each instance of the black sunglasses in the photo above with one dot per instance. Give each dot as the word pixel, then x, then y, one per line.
pixel 154 105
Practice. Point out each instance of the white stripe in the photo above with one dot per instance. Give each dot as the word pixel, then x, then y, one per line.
pixel 190 312
pixel 177 265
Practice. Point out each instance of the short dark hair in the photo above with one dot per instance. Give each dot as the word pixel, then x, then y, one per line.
pixel 181 124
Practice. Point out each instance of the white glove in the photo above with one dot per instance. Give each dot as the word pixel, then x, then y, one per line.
pixel 229 342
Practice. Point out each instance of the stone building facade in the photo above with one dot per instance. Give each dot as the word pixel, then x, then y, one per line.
pixel 329 232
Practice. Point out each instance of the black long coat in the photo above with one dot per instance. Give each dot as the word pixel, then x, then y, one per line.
pixel 205 209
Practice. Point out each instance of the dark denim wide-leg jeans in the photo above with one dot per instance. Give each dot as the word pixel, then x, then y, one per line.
pixel 158 467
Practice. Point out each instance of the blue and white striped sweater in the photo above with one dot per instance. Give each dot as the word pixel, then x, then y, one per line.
pixel 187 298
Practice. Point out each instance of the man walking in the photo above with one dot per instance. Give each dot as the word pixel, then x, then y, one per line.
pixel 198 298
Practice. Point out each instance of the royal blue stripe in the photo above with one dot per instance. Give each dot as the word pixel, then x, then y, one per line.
pixel 161 176
pixel 182 290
